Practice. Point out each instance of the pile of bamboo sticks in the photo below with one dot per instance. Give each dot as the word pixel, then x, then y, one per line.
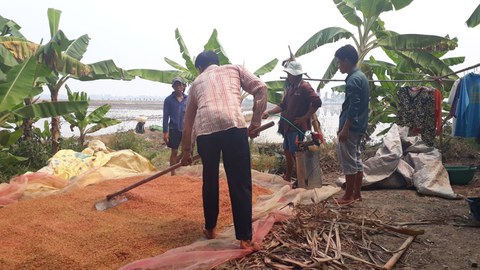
pixel 325 236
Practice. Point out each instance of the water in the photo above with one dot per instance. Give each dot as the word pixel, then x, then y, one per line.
pixel 128 111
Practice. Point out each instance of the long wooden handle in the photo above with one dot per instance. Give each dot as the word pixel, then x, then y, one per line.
pixel 265 126
pixel 167 170
pixel 173 167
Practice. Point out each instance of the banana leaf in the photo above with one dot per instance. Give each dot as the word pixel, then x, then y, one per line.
pixel 49 109
pixel 105 122
pixel 411 42
pixel 7 159
pixel 348 13
pixel 9 27
pixel 98 114
pixel 53 20
pixel 20 48
pixel 175 64
pixel 8 138
pixel 329 73
pixel 213 44
pixel 7 58
pixel 164 76
pixel 474 19
pixel 322 37
pixel 275 91
pixel 184 51
pixel 18 85
pixel 268 67
pixel 78 47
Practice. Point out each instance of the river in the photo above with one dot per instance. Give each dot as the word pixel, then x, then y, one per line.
pixel 128 111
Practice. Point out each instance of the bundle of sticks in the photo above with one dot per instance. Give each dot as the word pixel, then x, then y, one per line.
pixel 325 237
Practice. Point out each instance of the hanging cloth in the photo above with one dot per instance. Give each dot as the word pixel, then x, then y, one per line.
pixel 416 109
pixel 438 110
pixel 468 107
pixel 452 100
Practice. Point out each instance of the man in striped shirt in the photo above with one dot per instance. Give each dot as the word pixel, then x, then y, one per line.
pixel 214 110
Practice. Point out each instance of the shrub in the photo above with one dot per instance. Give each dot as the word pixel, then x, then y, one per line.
pixel 130 140
pixel 37 153
pixel 71 143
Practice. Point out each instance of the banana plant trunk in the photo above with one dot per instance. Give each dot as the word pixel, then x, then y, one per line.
pixel 27 124
pixel 55 123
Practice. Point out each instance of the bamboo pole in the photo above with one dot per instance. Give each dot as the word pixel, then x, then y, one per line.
pixel 394 259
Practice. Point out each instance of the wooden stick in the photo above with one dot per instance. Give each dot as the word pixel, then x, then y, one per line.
pixel 394 259
pixel 362 261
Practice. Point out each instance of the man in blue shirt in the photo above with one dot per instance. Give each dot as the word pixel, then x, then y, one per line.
pixel 173 111
pixel 353 123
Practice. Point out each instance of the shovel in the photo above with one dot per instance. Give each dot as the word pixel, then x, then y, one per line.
pixel 117 198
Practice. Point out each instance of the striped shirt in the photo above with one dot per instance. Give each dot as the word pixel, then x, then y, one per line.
pixel 214 100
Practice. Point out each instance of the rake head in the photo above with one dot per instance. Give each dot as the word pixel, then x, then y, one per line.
pixel 109 203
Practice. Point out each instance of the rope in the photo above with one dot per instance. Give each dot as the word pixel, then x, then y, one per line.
pixel 278 115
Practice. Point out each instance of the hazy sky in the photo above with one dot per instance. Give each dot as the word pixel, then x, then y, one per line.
pixel 139 34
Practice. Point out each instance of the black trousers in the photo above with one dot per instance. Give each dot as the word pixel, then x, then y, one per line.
pixel 232 144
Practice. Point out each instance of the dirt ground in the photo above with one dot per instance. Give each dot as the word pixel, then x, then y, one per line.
pixel 451 240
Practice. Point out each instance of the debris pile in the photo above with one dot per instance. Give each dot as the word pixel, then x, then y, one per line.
pixel 323 236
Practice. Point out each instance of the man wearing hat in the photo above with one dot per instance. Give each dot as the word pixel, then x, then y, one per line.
pixel 173 112
pixel 298 105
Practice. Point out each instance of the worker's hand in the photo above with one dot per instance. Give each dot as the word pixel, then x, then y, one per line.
pixel 186 158
pixel 165 137
pixel 300 120
pixel 265 115
pixel 251 133
pixel 343 135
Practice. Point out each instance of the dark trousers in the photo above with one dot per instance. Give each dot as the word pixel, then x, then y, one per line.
pixel 232 144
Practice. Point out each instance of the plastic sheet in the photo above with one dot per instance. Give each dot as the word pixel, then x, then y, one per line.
pixel 267 210
pixel 68 169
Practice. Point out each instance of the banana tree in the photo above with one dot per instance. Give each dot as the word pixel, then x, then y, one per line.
pixel 82 120
pixel 474 19
pixel 63 58
pixel 20 83
pixel 414 56
pixel 188 71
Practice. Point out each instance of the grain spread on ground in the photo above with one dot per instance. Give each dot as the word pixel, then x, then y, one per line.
pixel 65 231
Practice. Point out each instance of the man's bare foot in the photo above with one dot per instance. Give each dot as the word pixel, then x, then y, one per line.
pixel 344 200
pixel 210 234
pixel 248 244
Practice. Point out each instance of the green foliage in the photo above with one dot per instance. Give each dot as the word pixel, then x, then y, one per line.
pixel 87 123
pixel 71 143
pixel 413 56
pixel 129 140
pixel 474 19
pixel 37 152
pixel 188 71
pixel 34 156
pixel 45 134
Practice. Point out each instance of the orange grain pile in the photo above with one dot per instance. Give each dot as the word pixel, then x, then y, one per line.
pixel 65 231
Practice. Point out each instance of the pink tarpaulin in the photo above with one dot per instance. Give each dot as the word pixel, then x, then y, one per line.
pixel 18 186
pixel 209 253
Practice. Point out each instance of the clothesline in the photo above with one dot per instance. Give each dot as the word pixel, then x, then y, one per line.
pixel 442 78
pixel 343 80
